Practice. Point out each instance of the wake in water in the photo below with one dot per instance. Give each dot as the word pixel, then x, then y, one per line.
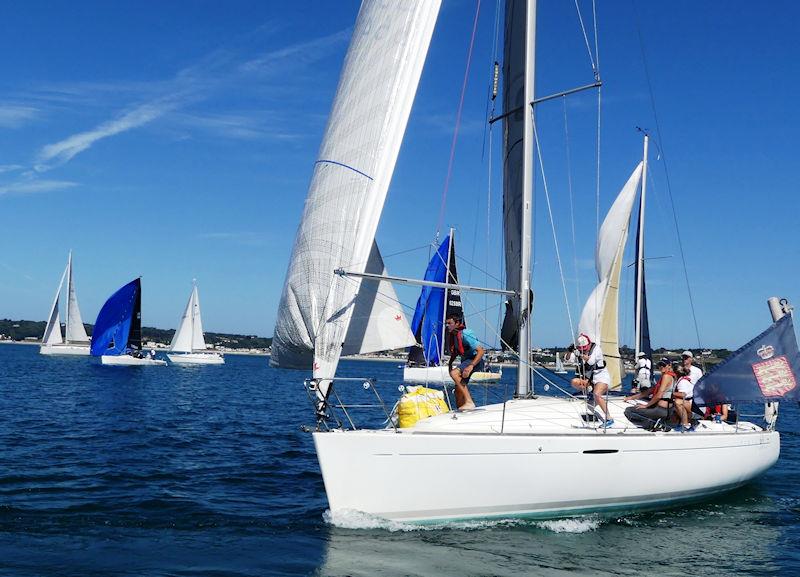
pixel 350 519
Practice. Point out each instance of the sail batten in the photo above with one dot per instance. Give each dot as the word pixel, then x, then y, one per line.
pixel 348 189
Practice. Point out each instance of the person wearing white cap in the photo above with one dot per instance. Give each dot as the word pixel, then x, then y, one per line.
pixel 695 372
pixel 644 367
pixel 591 370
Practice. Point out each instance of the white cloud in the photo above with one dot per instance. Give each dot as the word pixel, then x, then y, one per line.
pixel 35 186
pixel 10 167
pixel 65 150
pixel 13 116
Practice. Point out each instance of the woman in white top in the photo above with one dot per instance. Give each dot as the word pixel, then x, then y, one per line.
pixel 592 370
pixel 682 398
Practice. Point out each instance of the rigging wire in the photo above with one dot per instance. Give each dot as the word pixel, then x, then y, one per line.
pixel 552 221
pixel 571 210
pixel 458 120
pixel 666 172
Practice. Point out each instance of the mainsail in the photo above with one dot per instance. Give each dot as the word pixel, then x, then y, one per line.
pixel 644 339
pixel 433 306
pixel 599 319
pixel 189 335
pixel 513 135
pixel 76 333
pixel 346 196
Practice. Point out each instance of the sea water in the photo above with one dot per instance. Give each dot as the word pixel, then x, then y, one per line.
pixel 206 471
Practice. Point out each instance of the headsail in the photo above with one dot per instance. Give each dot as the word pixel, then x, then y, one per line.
pixel 182 339
pixel 348 188
pixel 52 331
pixel 433 307
pixel 76 332
pixel 599 318
pixel 765 369
pixel 115 324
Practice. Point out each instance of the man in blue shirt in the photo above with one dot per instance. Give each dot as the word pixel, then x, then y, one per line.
pixel 463 344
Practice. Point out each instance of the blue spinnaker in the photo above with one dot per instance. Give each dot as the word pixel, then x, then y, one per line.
pixel 113 324
pixel 428 322
pixel 765 369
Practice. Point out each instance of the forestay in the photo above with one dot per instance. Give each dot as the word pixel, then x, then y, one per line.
pixel 347 194
pixel 599 319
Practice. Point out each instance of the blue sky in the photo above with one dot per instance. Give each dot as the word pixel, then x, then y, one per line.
pixel 175 144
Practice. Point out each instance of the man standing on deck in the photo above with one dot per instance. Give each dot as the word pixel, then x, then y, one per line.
pixel 463 343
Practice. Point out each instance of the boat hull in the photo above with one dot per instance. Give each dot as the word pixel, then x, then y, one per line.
pixel 421 477
pixel 196 358
pixel 71 350
pixel 441 376
pixel 129 361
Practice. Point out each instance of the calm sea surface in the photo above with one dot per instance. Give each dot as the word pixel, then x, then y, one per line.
pixel 205 471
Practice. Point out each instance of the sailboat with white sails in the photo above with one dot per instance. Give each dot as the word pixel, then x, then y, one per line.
pixel 528 456
pixel 188 346
pixel 75 341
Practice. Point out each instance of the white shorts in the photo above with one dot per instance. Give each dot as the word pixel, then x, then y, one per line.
pixel 601 376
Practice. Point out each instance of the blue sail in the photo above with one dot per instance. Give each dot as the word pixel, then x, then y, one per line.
pixel 765 369
pixel 427 324
pixel 112 328
pixel 644 343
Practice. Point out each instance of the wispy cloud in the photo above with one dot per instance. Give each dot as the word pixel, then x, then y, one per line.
pixel 217 70
pixel 14 116
pixel 35 186
pixel 65 150
pixel 242 126
pixel 10 168
pixel 302 53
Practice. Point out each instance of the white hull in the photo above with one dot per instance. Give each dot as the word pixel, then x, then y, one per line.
pixel 440 376
pixel 446 468
pixel 73 350
pixel 196 358
pixel 129 361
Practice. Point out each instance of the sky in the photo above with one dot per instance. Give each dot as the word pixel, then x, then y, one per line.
pixel 177 144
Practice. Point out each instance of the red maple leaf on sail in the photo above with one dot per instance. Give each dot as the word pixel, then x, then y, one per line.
pixel 398 317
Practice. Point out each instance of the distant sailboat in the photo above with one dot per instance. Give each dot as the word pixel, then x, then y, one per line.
pixel 559 370
pixel 188 345
pixel 117 335
pixel 75 342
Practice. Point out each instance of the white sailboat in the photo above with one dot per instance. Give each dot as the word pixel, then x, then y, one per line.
pixel 559 368
pixel 75 341
pixel 525 457
pixel 188 345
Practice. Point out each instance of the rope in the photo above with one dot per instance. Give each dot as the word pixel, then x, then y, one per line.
pixel 458 119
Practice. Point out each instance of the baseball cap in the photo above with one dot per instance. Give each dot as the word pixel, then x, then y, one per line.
pixel 687 354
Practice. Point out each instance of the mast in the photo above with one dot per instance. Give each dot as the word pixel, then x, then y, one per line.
pixel 640 254
pixel 69 290
pixel 523 378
